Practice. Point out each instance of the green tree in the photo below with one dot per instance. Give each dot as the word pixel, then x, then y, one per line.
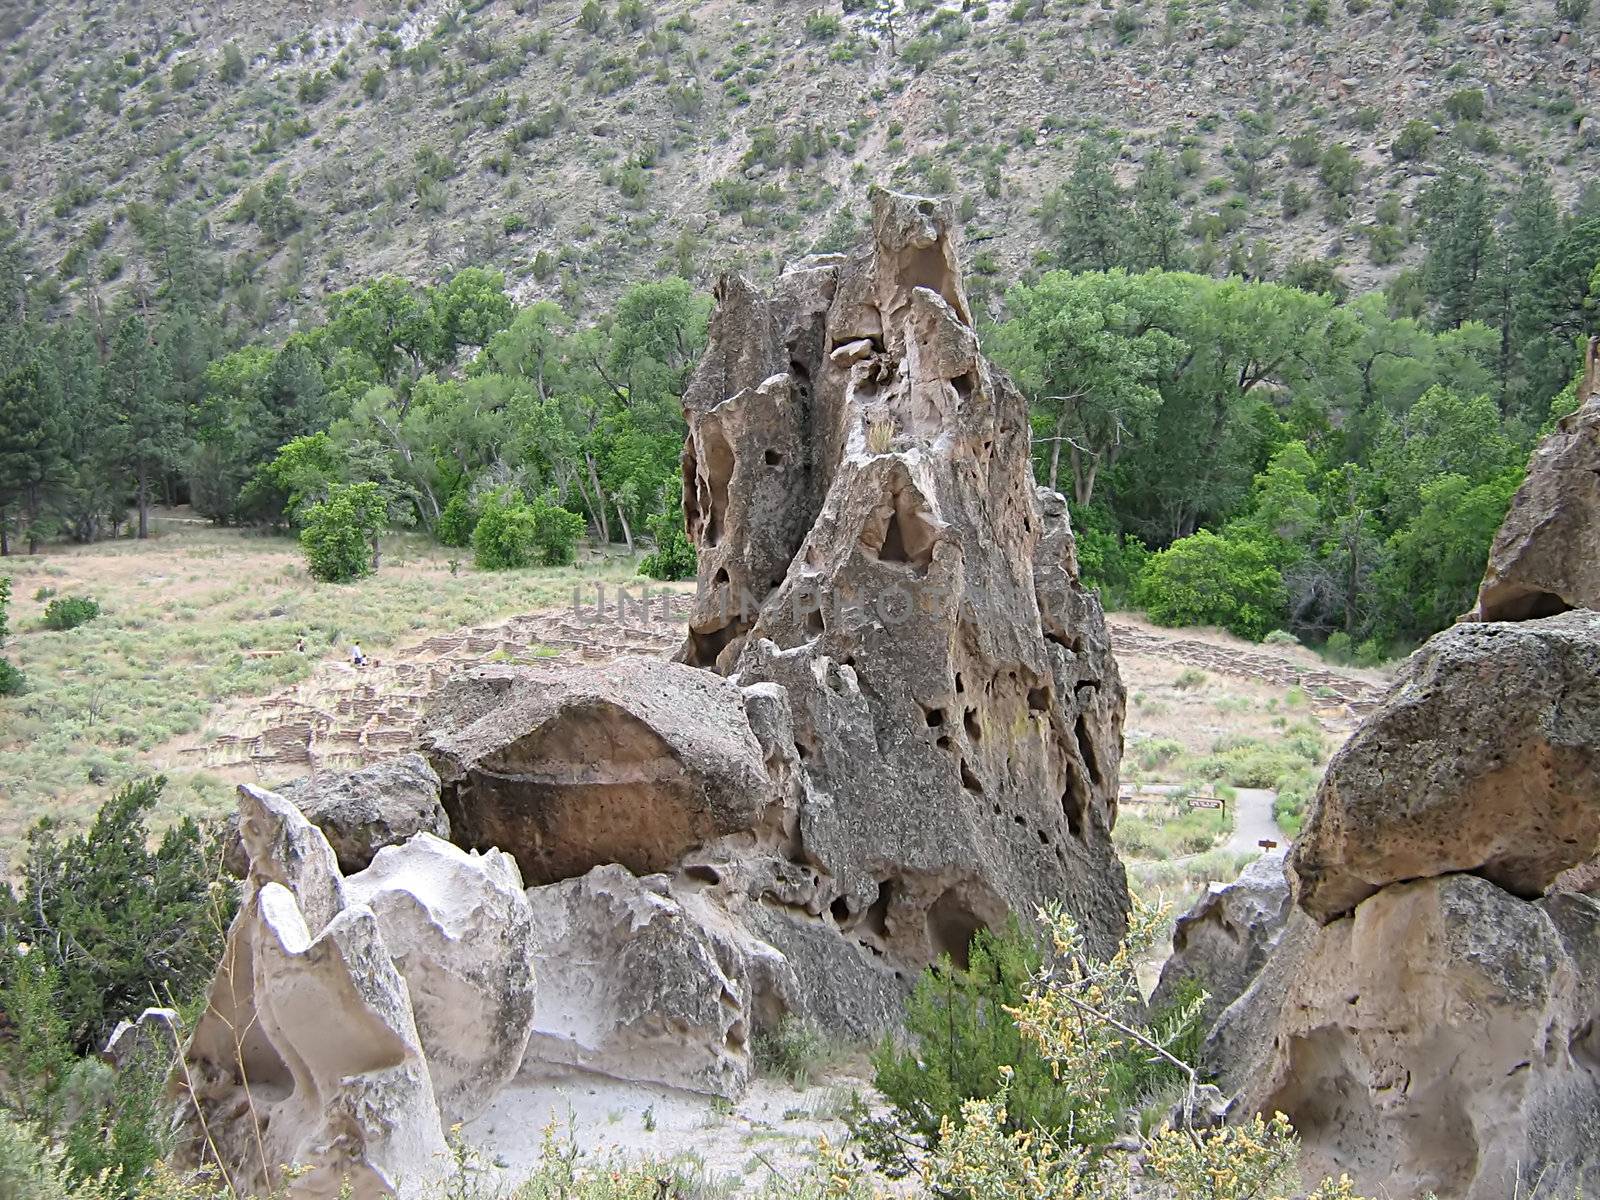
pixel 1087 350
pixel 1457 229
pixel 33 443
pixel 341 534
pixel 1437 560
pixel 149 420
pixel 1088 213
pixel 121 920
pixel 1156 224
pixel 1209 580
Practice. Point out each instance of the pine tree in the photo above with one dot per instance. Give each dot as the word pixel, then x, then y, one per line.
pixel 150 422
pixel 1157 225
pixel 1458 231
pixel 1091 213
pixel 32 450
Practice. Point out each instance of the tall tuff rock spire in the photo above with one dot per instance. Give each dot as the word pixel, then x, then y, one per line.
pixel 857 479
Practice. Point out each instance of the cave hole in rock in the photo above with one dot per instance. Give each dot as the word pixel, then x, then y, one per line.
pixel 772 458
pixel 951 928
pixel 1074 804
pixel 702 873
pixel 840 908
pixel 944 742
pixel 706 644
pixel 927 268
pixel 1527 606
pixel 969 780
pixel 814 625
pixel 1039 699
pixel 719 471
pixel 1091 761
pixel 933 716
pixel 875 920
pixel 899 530
pixel 959 687
pixel 1074 643
pixel 969 722
pixel 965 385
pixel 1044 838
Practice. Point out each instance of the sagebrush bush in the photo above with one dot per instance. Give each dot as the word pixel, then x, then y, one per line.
pixel 69 612
pixel 12 681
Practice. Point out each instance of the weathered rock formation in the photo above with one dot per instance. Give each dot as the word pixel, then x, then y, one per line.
pixel 1426 1015
pixel 857 481
pixel 1223 941
pixel 649 979
pixel 895 721
pixel 636 762
pixel 1546 557
pixel 332 996
pixel 360 812
pixel 1485 757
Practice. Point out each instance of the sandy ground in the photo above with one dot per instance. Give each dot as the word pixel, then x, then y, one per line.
pixel 773 1130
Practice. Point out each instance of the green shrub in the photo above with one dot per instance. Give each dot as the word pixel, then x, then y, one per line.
pixel 1412 142
pixel 12 681
pixel 674 556
pixel 1469 104
pixel 340 534
pixel 961 1037
pixel 5 604
pixel 120 925
pixel 456 522
pixel 1294 796
pixel 68 612
pixel 513 533
pixel 793 1050
pixel 1210 580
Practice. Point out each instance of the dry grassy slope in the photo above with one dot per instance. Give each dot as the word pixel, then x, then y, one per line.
pixel 1005 82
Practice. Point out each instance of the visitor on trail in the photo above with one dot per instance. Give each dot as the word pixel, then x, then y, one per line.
pixel 357 659
pixel 300 644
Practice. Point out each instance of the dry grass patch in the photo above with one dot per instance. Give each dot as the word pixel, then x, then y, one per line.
pixel 195 618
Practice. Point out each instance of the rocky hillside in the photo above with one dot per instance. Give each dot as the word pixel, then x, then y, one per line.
pixel 582 144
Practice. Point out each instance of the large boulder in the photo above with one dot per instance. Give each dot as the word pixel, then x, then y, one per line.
pixel 1222 942
pixel 1485 758
pixel 1544 560
pixel 459 930
pixel 361 812
pixel 645 979
pixel 635 762
pixel 1441 1041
